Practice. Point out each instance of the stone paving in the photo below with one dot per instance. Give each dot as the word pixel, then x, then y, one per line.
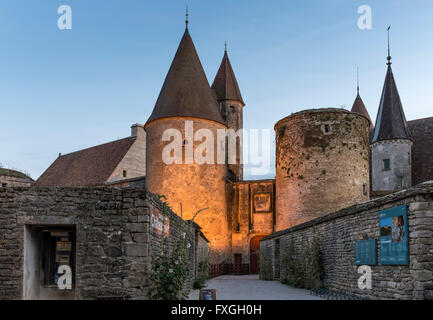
pixel 249 287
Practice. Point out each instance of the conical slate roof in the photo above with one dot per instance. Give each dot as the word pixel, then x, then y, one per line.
pixel 225 84
pixel 359 107
pixel 186 91
pixel 390 123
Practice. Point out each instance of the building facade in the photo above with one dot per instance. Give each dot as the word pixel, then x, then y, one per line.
pixel 327 159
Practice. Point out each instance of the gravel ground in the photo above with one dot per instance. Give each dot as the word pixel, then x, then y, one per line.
pixel 249 287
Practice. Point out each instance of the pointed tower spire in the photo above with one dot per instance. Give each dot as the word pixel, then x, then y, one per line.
pixel 391 122
pixel 225 84
pixel 358 104
pixel 186 91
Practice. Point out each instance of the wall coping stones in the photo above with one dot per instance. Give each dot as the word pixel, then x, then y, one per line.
pixel 421 189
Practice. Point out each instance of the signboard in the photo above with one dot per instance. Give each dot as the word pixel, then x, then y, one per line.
pixel 160 222
pixel 262 202
pixel 394 236
pixel 366 252
pixel 207 294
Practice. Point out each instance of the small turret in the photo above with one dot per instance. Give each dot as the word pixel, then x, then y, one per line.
pixel 231 106
pixel 392 143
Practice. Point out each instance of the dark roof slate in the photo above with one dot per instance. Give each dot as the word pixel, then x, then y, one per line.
pixel 422 150
pixel 391 122
pixel 225 84
pixel 186 91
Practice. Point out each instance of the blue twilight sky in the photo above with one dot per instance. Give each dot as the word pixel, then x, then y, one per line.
pixel 61 91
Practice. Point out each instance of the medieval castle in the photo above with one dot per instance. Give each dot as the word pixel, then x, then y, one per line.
pixel 326 159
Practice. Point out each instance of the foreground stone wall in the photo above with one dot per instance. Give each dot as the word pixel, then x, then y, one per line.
pixel 337 233
pixel 117 237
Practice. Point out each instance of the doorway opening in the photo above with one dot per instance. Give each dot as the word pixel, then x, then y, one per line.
pixel 255 254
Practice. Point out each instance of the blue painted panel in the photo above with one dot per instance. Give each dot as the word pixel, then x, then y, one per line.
pixel 394 236
pixel 366 252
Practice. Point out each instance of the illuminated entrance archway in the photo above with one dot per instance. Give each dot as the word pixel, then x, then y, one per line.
pixel 255 254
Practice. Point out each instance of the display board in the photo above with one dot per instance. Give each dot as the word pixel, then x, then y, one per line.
pixel 394 236
pixel 366 252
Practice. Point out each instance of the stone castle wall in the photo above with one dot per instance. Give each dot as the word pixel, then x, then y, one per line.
pixel 336 234
pixel 322 164
pixel 399 154
pixel 232 112
pixel 117 239
pixel 248 221
pixel 195 186
pixel 134 161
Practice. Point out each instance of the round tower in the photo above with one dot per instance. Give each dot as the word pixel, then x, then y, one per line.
pixel 187 113
pixel 322 164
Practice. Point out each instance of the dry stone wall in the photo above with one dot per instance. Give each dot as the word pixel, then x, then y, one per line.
pixel 337 233
pixel 116 237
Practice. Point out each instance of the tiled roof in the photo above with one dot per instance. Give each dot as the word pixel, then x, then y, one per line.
pixel 359 107
pixel 86 168
pixel 391 123
pixel 186 91
pixel 225 84
pixel 422 150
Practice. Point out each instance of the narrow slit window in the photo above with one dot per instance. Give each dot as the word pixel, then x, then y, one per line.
pixel 386 164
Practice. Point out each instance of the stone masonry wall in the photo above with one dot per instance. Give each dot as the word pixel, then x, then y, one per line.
pixel 115 237
pixel 337 233
pixel 320 154
pixel 247 221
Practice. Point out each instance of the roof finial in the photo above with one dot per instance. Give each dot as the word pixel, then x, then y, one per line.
pixel 186 17
pixel 357 79
pixel 225 46
pixel 389 49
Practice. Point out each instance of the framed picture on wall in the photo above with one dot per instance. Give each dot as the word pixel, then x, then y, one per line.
pixel 262 202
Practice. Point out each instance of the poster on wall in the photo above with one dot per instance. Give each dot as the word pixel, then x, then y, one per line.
pixel 160 222
pixel 394 236
pixel 366 252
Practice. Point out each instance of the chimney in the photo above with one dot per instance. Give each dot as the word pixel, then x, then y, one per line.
pixel 137 130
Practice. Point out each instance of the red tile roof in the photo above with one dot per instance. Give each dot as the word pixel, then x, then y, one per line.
pixel 359 107
pixel 86 168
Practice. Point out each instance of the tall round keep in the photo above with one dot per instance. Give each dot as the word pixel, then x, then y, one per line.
pixel 322 164
pixel 196 182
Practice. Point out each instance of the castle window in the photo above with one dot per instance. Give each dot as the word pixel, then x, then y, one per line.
pixel 400 182
pixel 4 185
pixel 386 165
pixel 326 128
pixel 364 189
pixel 232 109
pixel 125 173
